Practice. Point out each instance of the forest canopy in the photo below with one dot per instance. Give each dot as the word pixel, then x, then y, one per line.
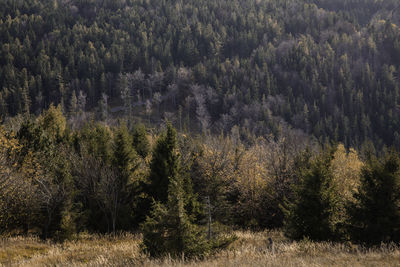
pixel 184 120
pixel 328 68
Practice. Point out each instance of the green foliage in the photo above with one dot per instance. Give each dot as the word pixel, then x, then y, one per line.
pixel 33 137
pixel 315 64
pixel 126 162
pixel 53 122
pixel 169 231
pixel 164 165
pixel 311 211
pixel 58 211
pixel 375 216
pixel 94 140
pixel 140 141
pixel 125 157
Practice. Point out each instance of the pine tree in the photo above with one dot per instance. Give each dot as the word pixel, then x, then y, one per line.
pixel 163 166
pixel 68 213
pixel 126 163
pixel 140 141
pixel 375 216
pixel 125 157
pixel 169 230
pixel 311 211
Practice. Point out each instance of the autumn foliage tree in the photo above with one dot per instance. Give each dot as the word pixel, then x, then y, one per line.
pixel 20 200
pixel 346 170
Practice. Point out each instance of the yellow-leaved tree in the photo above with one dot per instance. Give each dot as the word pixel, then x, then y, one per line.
pixel 346 168
pixel 54 122
pixel 19 198
pixel 251 181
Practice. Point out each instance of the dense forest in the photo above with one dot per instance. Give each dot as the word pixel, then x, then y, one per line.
pixel 183 192
pixel 328 68
pixel 186 119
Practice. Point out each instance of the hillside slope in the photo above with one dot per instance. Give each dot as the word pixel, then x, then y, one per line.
pixel 328 68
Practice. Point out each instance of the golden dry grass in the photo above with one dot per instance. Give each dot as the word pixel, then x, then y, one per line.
pixel 250 249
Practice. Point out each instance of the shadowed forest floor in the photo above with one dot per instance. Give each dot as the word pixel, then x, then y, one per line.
pixel 250 249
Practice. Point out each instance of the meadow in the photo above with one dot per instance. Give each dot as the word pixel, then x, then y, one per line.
pixel 250 249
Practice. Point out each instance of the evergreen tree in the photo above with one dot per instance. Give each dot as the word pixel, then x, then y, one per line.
pixel 311 211
pixel 168 229
pixel 126 163
pixel 163 166
pixel 375 217
pixel 68 210
pixel 140 141
pixel 125 157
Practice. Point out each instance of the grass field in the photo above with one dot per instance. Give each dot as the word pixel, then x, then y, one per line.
pixel 250 249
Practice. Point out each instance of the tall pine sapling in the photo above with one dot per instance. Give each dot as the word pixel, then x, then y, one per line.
pixel 163 166
pixel 168 229
pixel 126 163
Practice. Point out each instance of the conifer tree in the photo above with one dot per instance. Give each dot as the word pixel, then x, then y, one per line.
pixel 66 212
pixel 140 141
pixel 163 166
pixel 126 163
pixel 311 211
pixel 125 157
pixel 375 216
pixel 169 230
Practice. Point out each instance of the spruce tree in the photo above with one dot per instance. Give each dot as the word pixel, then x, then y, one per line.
pixel 68 212
pixel 375 216
pixel 126 163
pixel 139 140
pixel 125 157
pixel 311 210
pixel 163 166
pixel 169 230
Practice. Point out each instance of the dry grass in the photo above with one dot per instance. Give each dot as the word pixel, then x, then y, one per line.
pixel 250 249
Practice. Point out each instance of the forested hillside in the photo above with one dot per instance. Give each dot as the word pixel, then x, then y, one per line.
pixel 326 67
pixel 171 127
